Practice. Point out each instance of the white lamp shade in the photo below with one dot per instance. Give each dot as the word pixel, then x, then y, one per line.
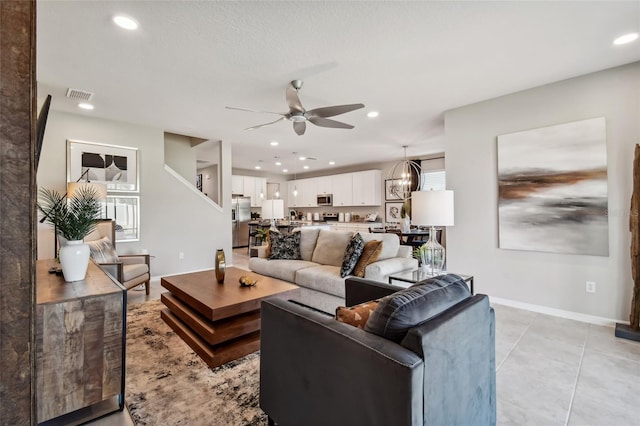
pixel 99 188
pixel 273 209
pixel 432 208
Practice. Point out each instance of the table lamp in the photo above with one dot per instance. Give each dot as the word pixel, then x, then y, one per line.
pixel 273 209
pixel 432 208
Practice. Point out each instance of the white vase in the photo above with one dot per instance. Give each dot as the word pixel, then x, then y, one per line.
pixel 74 260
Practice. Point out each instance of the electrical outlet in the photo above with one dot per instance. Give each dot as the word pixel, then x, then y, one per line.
pixel 181 255
pixel 590 287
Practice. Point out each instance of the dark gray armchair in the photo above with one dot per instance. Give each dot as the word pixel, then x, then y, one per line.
pixel 315 370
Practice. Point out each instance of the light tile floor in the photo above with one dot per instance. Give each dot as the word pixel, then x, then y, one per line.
pixel 550 371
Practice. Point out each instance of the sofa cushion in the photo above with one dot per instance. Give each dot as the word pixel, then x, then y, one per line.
pixel 281 269
pixel 324 278
pixel 330 247
pixel 405 309
pixel 352 255
pixel 390 243
pixel 284 246
pixel 102 250
pixel 357 315
pixel 370 254
pixel 308 238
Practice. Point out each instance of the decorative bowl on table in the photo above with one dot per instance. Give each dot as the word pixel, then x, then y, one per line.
pixel 246 281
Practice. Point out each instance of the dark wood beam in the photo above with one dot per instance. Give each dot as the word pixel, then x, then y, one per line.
pixel 17 211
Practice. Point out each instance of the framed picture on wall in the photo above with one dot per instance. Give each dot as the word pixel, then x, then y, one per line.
pixel 392 212
pixel 112 165
pixel 199 181
pixel 392 189
pixel 125 211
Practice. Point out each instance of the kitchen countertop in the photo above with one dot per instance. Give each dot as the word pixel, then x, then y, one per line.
pixel 314 222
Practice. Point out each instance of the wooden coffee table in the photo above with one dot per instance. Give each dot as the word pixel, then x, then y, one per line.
pixel 220 322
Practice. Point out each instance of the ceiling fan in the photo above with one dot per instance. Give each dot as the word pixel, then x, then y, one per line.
pixel 299 116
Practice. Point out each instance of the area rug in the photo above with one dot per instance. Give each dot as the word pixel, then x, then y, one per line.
pixel 168 384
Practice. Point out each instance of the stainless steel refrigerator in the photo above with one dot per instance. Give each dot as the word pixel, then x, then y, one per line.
pixel 240 217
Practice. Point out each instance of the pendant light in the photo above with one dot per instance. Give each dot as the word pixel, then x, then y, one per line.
pixel 406 176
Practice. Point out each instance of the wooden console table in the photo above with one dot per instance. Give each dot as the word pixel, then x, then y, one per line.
pixel 80 345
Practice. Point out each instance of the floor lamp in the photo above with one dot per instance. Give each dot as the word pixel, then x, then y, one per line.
pixel 432 208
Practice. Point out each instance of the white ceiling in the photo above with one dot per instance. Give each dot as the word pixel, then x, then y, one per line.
pixel 411 61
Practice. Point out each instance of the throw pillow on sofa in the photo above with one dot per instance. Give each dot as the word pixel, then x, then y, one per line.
pixel 352 255
pixel 284 246
pixel 405 309
pixel 330 247
pixel 357 315
pixel 370 254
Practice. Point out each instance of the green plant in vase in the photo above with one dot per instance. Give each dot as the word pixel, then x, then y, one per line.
pixel 261 234
pixel 72 220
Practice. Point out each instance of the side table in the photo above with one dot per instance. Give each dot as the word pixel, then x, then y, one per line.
pixel 406 278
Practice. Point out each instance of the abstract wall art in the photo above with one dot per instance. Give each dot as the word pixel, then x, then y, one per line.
pixel 552 189
pixel 114 166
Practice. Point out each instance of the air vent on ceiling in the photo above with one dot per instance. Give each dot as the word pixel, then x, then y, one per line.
pixel 79 94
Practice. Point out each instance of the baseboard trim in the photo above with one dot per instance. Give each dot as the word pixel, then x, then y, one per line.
pixel 591 319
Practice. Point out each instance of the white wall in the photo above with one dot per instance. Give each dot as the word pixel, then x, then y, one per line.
pixel 210 181
pixel 180 155
pixel 550 280
pixel 174 217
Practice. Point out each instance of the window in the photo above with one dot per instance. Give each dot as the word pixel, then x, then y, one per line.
pixel 435 180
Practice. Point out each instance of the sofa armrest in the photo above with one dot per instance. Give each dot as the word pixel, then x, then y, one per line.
pixel 380 270
pixel 113 268
pixel 405 251
pixel 359 290
pixel 462 336
pixel 310 362
pixel 131 259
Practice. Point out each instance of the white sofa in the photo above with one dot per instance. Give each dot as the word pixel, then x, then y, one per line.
pixel 318 273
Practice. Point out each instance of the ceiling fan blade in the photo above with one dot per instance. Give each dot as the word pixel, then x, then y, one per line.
pixel 265 124
pixel 254 110
pixel 325 122
pixel 333 110
pixel 299 127
pixel 293 100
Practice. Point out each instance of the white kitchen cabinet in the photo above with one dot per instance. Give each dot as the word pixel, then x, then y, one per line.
pixel 367 188
pixel 260 188
pixel 250 186
pixel 253 187
pixel 342 190
pixel 325 185
pixel 294 200
pixel 309 192
pixel 237 185
pixel 249 183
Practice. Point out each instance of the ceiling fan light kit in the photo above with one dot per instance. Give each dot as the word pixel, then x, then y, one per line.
pixel 299 116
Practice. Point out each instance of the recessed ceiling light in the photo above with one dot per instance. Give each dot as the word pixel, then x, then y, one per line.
pixel 303 158
pixel 305 167
pixel 624 39
pixel 85 105
pixel 278 163
pixel 257 167
pixel 331 163
pixel 372 114
pixel 273 143
pixel 125 22
pixel 284 170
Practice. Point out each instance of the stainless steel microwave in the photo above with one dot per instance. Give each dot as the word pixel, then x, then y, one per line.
pixel 325 200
